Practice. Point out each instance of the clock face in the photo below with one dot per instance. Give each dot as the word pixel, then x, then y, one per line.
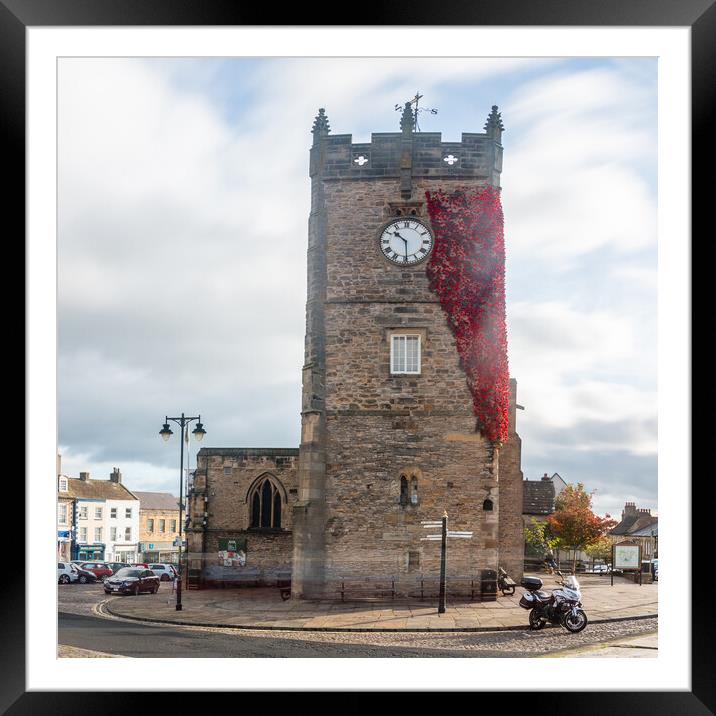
pixel 406 241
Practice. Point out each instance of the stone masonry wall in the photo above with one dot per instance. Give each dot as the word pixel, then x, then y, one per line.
pixel 226 477
pixel 512 543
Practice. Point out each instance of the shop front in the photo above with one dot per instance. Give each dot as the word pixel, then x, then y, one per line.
pixel 90 552
pixel 162 552
pixel 126 553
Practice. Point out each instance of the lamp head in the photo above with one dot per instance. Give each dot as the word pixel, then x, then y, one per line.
pixel 198 432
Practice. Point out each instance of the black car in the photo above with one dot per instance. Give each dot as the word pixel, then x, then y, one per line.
pixel 84 576
pixel 132 580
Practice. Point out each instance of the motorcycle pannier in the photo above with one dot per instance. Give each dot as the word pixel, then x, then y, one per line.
pixel 531 583
pixel 528 600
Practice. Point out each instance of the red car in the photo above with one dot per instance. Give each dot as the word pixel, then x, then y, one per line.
pixel 99 569
pixel 139 564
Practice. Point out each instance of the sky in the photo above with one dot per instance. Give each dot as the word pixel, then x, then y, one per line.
pixel 183 207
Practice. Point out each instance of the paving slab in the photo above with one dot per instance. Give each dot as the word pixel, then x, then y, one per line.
pixel 263 608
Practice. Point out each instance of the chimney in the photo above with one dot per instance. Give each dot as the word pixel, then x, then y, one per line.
pixel 629 509
pixel 115 475
pixel 84 476
pixel 59 464
pixel 546 477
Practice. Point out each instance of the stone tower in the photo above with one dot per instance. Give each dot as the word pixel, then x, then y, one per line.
pixel 389 436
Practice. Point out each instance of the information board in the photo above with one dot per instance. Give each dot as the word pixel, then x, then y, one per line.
pixel 626 556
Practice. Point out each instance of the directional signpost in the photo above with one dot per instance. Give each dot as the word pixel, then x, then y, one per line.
pixel 445 533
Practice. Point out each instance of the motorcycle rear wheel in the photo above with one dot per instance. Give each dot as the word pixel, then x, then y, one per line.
pixel 536 621
pixel 574 623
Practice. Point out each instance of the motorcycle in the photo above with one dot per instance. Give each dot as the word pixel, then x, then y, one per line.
pixel 561 606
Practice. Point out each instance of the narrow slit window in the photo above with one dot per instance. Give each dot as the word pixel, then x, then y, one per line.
pixel 403 490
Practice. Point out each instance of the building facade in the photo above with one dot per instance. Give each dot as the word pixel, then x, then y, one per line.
pixel 103 518
pixel 389 434
pixel 159 527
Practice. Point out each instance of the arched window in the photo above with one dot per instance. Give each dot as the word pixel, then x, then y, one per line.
pixel 265 504
pixel 487 505
pixel 413 490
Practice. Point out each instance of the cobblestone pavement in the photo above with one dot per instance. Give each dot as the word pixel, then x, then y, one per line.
pixel 263 608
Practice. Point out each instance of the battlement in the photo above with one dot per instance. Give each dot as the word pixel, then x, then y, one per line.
pixel 423 154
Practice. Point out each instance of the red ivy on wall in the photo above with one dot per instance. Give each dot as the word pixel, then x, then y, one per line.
pixel 467 271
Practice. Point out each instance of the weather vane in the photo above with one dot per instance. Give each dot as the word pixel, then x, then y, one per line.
pixel 417 109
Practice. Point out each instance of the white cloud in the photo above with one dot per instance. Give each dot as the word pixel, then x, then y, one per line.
pixel 573 176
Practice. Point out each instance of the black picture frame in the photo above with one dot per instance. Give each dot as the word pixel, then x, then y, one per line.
pixel 699 15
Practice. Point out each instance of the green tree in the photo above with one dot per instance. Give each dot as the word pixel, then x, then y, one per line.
pixel 538 535
pixel 601 549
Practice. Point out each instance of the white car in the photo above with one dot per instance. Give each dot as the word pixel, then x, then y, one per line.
pixel 165 572
pixel 66 573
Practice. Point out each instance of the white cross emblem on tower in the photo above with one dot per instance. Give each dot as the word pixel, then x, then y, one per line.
pixel 450 159
pixel 361 161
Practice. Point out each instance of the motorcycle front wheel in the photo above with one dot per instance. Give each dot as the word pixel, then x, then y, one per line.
pixel 536 621
pixel 574 622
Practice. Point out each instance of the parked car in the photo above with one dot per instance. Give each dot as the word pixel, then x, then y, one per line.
pixel 101 570
pixel 84 576
pixel 164 571
pixel 600 568
pixel 66 573
pixel 116 566
pixel 655 569
pixel 145 565
pixel 132 580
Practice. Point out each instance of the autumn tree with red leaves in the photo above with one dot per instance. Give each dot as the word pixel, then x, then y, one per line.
pixel 574 524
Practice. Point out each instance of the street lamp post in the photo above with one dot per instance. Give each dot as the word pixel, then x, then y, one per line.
pixel 198 432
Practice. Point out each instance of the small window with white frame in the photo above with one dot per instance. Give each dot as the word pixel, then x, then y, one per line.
pixel 405 353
